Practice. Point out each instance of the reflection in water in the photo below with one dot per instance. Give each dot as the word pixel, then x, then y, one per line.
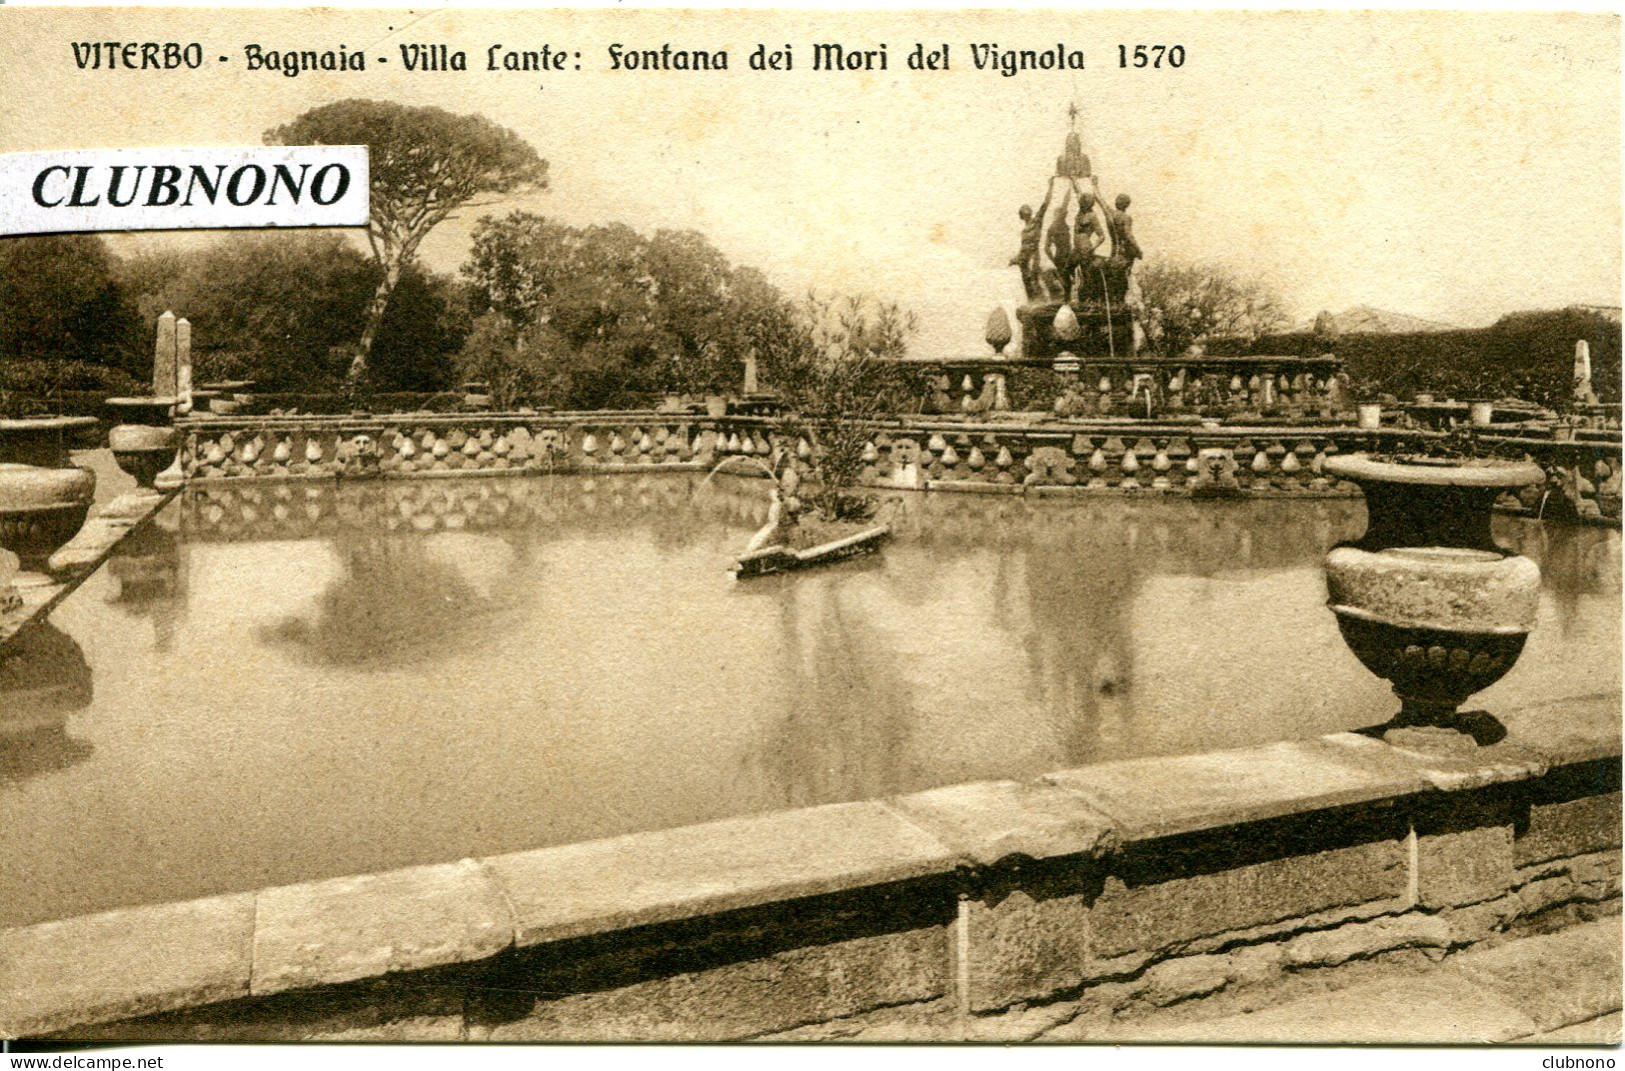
pixel 354 677
pixel 396 602
pixel 43 679
pixel 150 577
pixel 1575 562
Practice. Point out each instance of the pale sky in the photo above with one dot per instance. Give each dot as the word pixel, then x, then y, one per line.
pixel 1454 166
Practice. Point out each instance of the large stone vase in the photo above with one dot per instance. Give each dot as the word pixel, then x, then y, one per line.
pixel 40 510
pixel 143 440
pixel 41 441
pixel 44 499
pixel 1426 599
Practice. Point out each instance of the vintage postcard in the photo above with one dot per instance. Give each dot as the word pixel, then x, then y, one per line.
pixel 810 526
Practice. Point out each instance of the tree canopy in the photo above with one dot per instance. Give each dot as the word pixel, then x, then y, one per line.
pixel 282 308
pixel 424 164
pixel 1188 303
pixel 598 312
pixel 60 300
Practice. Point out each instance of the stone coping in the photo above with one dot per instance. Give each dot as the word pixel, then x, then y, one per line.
pixel 1437 472
pixel 1061 428
pixel 141 960
pixel 993 364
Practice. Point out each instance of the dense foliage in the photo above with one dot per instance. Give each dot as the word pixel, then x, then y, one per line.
pixel 1190 303
pixel 836 382
pixel 60 301
pixel 590 317
pixel 1527 355
pixel 285 309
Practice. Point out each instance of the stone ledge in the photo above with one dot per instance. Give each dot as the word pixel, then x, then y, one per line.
pixel 1479 767
pixel 1569 731
pixel 357 927
pixel 327 932
pixel 581 889
pixel 124 963
pixel 990 821
pixel 1166 796
pixel 974 487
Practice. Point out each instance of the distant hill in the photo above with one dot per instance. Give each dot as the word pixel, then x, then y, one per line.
pixel 1365 320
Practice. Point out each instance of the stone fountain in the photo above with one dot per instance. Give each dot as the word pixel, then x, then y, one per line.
pixel 1086 319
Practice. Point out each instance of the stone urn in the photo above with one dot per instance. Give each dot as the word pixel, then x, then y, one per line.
pixel 40 510
pixel 143 440
pixel 1426 599
pixel 40 440
pixel 44 498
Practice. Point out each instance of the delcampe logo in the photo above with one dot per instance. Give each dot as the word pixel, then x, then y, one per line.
pixel 183 189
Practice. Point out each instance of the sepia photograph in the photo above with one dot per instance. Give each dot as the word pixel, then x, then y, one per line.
pixel 815 527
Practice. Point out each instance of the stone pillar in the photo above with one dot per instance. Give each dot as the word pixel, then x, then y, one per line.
pixel 750 373
pixel 163 358
pixel 183 365
pixel 1583 393
pixel 174 352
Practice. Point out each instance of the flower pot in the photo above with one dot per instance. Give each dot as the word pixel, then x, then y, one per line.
pixel 40 510
pixel 1370 416
pixel 1481 414
pixel 1425 598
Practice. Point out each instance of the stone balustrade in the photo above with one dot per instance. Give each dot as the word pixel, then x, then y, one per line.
pixel 1582 478
pixel 1280 385
pixel 1097 893
pixel 1057 458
